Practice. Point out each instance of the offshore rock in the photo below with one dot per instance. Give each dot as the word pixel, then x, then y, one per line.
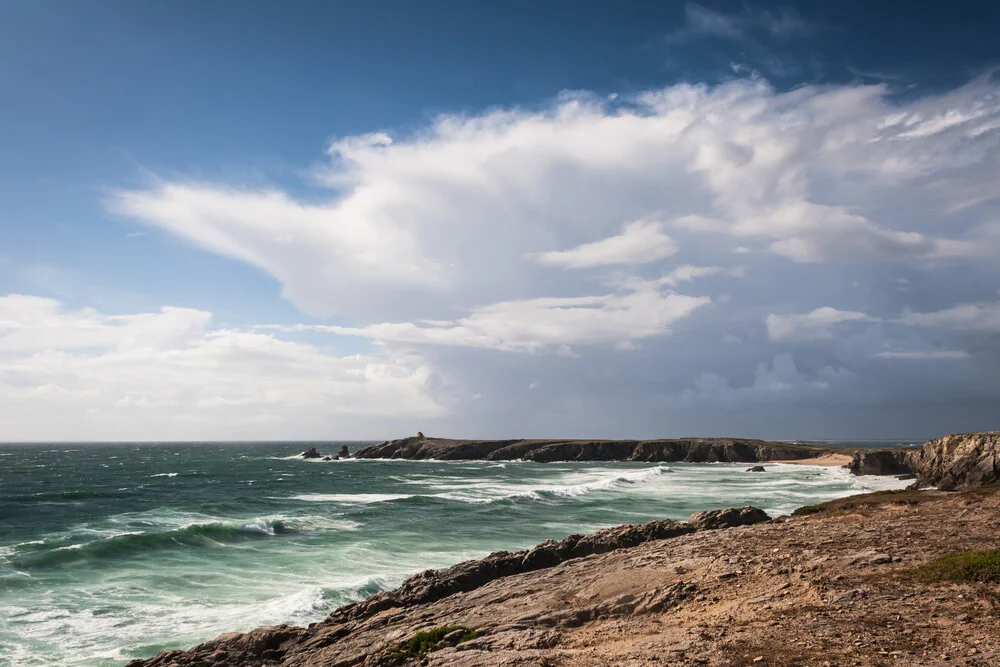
pixel 311 453
pixel 344 453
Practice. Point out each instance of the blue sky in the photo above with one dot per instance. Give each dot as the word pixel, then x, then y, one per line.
pixel 232 220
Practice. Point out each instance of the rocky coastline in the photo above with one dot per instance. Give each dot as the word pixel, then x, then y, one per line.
pixel 690 450
pixel 841 583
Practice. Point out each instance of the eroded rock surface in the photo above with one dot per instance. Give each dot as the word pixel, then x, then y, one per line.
pixel 885 461
pixel 960 461
pixel 727 518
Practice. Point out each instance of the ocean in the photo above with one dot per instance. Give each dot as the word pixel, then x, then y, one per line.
pixel 110 552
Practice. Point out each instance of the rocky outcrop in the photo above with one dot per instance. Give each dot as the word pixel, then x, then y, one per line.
pixel 268 645
pixel 432 585
pixel 311 453
pixel 884 461
pixel 960 461
pixel 692 450
pixel 344 453
pixel 727 518
pixel 804 590
pixel 756 469
pixel 963 460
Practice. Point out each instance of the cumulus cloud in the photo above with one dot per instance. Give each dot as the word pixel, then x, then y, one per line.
pixel 569 230
pixel 461 212
pixel 169 375
pixel 640 242
pixel 817 325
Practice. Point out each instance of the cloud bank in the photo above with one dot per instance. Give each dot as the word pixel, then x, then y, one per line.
pixel 169 375
pixel 683 247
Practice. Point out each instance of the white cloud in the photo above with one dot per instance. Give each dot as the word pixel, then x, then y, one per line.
pixel 169 375
pixel 536 325
pixel 444 218
pixel 968 317
pixel 817 325
pixel 640 242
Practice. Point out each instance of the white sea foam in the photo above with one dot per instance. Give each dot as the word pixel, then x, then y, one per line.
pixel 165 474
pixel 360 498
pixel 167 596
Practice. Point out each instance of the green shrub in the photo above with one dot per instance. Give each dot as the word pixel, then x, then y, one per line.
pixel 428 640
pixel 964 566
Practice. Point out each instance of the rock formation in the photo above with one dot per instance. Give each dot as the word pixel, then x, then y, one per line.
pixel 270 643
pixel 840 584
pixel 311 453
pixel 953 462
pixel 693 450
pixel 727 518
pixel 344 453
pixel 960 461
pixel 884 461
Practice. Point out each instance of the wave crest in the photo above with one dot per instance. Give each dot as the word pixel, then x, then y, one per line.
pixel 128 544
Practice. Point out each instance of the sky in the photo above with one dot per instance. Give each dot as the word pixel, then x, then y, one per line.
pixel 341 220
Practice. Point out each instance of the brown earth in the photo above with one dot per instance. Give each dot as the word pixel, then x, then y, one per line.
pixel 837 584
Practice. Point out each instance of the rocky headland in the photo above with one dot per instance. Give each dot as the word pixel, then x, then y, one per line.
pixel 691 450
pixel 893 578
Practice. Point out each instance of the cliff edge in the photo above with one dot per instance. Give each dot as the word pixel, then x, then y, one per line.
pixel 958 461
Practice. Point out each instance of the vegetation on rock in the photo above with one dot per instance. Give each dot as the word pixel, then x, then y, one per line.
pixel 964 566
pixel 428 640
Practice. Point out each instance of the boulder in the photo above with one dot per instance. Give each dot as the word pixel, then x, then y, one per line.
pixel 344 452
pixel 311 453
pixel 756 469
pixel 727 518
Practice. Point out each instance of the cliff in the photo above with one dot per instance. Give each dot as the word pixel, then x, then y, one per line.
pixel 960 461
pixel 953 462
pixel 857 581
pixel 692 450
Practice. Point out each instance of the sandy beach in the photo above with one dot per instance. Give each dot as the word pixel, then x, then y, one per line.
pixel 835 460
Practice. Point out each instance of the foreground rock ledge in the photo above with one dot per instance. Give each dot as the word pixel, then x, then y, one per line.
pixel 835 586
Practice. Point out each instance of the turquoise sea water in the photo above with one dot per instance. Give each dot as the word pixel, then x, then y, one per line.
pixel 109 552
